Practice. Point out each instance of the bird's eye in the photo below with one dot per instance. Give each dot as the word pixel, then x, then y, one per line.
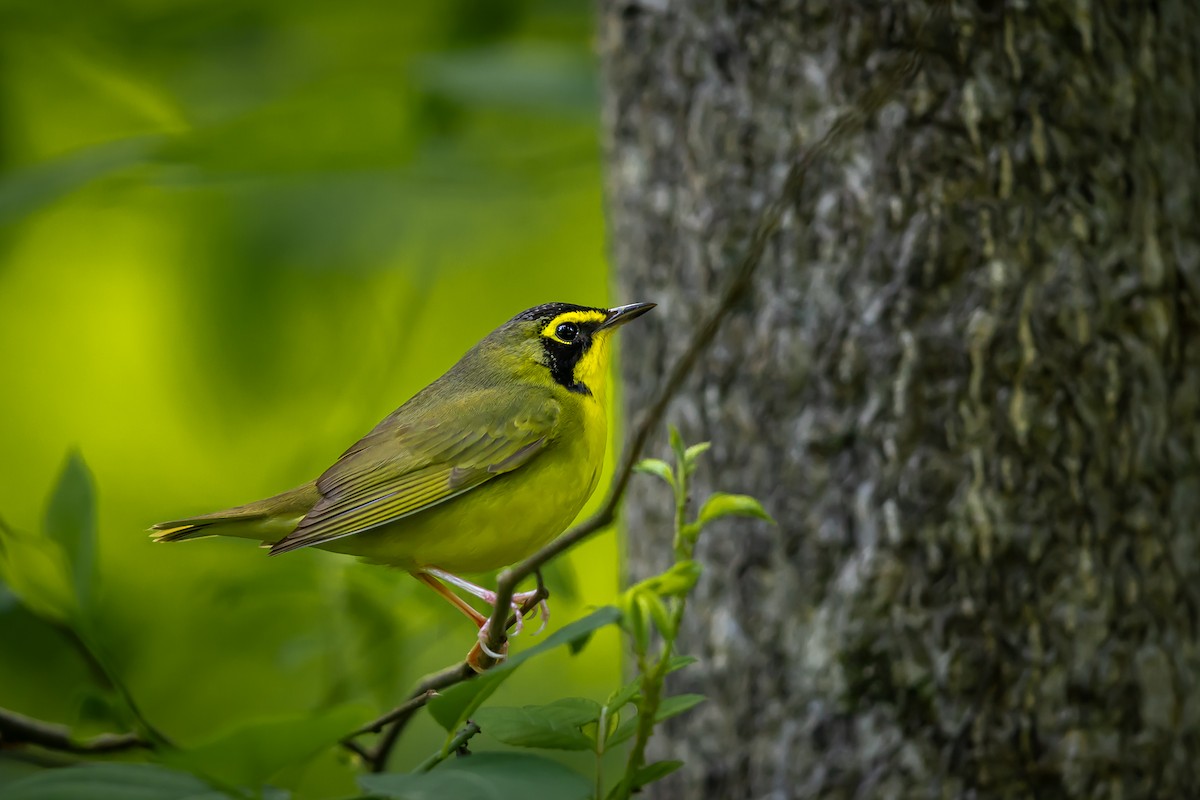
pixel 567 331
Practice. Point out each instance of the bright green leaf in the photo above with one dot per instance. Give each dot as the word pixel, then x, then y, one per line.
pixel 656 466
pixel 725 505
pixel 692 455
pixel 453 707
pixel 653 772
pixel 680 578
pixel 111 782
pixel 484 776
pixel 556 725
pixel 652 606
pixel 71 522
pixel 251 754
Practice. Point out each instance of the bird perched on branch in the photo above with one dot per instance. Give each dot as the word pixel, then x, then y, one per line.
pixel 477 471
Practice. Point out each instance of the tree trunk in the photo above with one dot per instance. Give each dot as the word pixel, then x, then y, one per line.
pixel 966 385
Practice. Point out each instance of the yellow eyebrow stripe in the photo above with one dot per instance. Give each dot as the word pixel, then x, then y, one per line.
pixel 572 316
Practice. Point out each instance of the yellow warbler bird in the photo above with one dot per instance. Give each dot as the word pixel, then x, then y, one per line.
pixel 477 471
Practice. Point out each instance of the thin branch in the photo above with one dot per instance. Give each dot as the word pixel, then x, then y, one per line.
pixel 456 745
pixel 403 711
pixel 17 729
pixel 395 721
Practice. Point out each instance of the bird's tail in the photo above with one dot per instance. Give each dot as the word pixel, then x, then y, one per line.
pixel 266 520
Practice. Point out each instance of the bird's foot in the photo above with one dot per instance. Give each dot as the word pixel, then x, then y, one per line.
pixel 542 608
pixel 480 650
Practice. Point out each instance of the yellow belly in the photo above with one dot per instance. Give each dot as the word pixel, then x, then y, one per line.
pixel 501 522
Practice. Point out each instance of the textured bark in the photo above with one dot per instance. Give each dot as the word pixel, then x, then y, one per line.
pixel 966 385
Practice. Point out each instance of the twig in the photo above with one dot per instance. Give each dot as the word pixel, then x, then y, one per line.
pixel 17 729
pixel 395 720
pixel 402 711
pixel 651 419
pixel 456 745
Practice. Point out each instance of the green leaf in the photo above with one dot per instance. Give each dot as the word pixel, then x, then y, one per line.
pixel 71 522
pixel 656 466
pixel 679 579
pixel 484 776
pixel 624 731
pixel 630 691
pixel 692 454
pixel 653 607
pixel 27 190
pixel 624 695
pixel 670 707
pixel 35 571
pixel 454 706
pixel 111 782
pixel 633 619
pixel 725 505
pixel 677 445
pixel 654 772
pixel 676 705
pixel 249 755
pixel 532 77
pixel 679 662
pixel 556 725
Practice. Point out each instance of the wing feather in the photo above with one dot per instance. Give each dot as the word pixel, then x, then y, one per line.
pixel 408 466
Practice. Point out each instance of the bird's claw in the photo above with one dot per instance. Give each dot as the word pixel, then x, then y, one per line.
pixel 483 643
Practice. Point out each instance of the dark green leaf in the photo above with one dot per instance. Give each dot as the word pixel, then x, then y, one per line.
pixel 725 505
pixel 624 732
pixel 653 772
pixel 454 706
pixel 71 522
pixel 484 776
pixel 34 570
pixel 677 445
pixel 623 695
pixel 670 707
pixel 633 619
pixel 555 726
pixel 25 191
pixel 537 78
pixel 656 466
pixel 111 782
pixel 679 662
pixel 251 754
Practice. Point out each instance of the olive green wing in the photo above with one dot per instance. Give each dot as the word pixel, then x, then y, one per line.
pixel 406 466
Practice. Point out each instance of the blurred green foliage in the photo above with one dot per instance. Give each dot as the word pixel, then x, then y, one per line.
pixel 233 236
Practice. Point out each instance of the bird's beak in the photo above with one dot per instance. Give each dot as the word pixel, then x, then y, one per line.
pixel 622 314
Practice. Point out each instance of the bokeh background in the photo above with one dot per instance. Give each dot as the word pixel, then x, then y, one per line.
pixel 233 236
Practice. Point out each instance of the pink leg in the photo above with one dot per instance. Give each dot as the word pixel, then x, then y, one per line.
pixel 489 597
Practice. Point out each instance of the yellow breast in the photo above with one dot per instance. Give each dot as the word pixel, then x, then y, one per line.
pixel 506 519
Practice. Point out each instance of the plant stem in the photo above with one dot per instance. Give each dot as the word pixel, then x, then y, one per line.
pixel 460 739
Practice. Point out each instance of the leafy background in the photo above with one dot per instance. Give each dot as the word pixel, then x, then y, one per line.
pixel 233 236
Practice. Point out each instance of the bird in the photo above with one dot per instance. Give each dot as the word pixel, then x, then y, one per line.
pixel 473 473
